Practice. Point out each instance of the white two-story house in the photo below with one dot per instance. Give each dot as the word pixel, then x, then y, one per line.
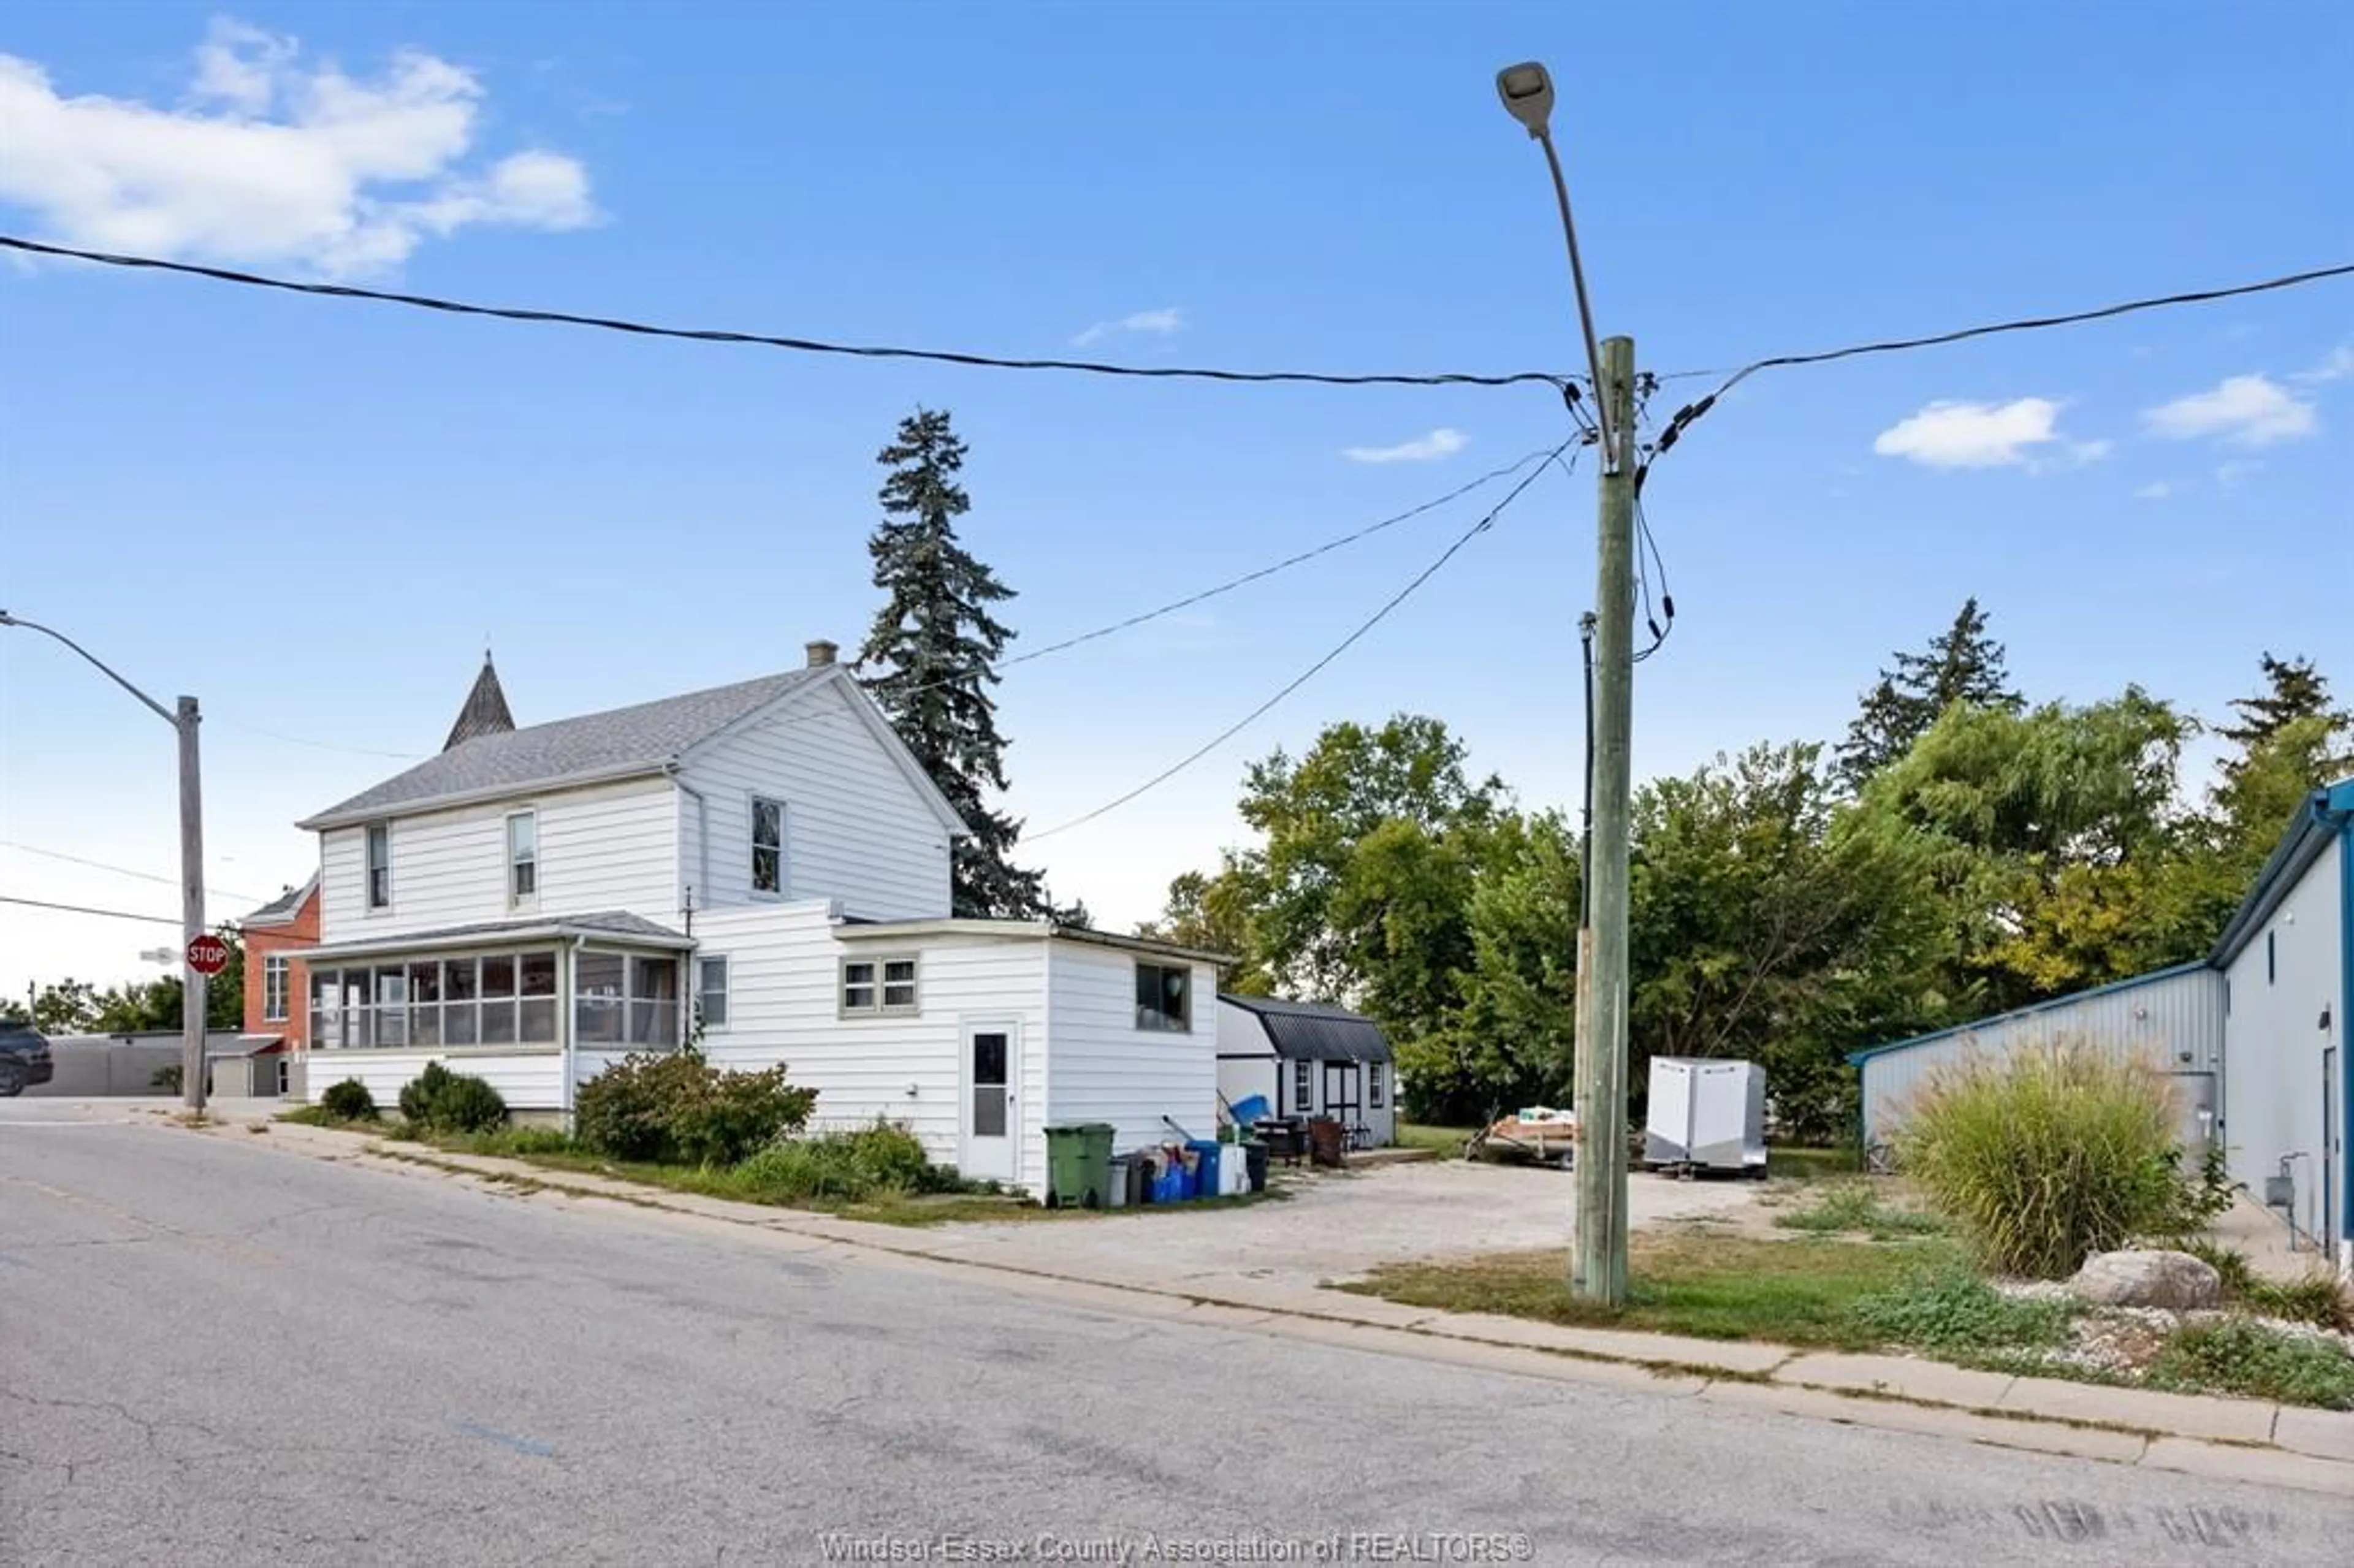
pixel 765 860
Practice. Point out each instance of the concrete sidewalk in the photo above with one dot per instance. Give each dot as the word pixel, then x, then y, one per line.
pixel 2234 1439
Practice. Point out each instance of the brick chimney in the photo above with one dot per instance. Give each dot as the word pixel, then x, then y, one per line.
pixel 822 653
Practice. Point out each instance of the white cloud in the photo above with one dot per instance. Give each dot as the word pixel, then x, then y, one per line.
pixel 2089 451
pixel 1980 435
pixel 2246 411
pixel 2157 490
pixel 1439 443
pixel 273 160
pixel 2229 475
pixel 1157 324
pixel 2337 366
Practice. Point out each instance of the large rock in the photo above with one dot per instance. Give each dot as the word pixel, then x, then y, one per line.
pixel 2174 1280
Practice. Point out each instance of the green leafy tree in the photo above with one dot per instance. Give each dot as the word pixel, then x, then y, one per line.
pixel 1961 664
pixel 2294 693
pixel 2055 840
pixel 1765 924
pixel 1313 932
pixel 1511 1039
pixel 1211 913
pixel 67 1007
pixel 936 642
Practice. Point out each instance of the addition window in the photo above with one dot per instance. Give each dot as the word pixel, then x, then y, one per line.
pixel 879 985
pixel 1164 997
pixel 1374 1087
pixel 273 989
pixel 379 866
pixel 522 857
pixel 711 990
pixel 768 847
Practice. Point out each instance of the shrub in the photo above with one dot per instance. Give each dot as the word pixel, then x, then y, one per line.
pixel 348 1101
pixel 2233 1355
pixel 439 1100
pixel 847 1167
pixel 677 1108
pixel 1959 1311
pixel 2057 1152
pixel 166 1077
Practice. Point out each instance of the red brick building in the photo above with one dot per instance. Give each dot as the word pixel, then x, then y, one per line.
pixel 277 984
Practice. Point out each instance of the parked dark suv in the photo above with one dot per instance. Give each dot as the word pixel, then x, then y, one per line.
pixel 24 1058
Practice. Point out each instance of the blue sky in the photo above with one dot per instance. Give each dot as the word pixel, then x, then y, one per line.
pixel 311 514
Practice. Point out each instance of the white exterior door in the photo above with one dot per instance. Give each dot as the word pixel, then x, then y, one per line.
pixel 992 1109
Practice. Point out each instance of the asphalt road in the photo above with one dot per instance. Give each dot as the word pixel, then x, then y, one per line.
pixel 213 1351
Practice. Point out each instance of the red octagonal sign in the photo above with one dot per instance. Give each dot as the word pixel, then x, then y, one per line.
pixel 208 956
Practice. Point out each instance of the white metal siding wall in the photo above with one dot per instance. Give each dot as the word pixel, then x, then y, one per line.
pixel 608 846
pixel 854 828
pixel 1102 1067
pixel 783 966
pixel 526 1080
pixel 2281 983
pixel 2166 1018
pixel 1240 1033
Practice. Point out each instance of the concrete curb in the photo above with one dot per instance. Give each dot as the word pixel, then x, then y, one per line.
pixel 2235 1439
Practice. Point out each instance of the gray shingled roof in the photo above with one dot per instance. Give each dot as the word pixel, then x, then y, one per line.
pixel 281 909
pixel 1311 1031
pixel 615 743
pixel 604 923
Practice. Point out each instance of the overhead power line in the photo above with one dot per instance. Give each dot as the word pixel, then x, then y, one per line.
pixel 1691 411
pixel 88 909
pixel 122 870
pixel 1481 526
pixel 767 340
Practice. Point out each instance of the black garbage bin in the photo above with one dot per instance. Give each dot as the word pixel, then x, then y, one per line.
pixel 1255 1163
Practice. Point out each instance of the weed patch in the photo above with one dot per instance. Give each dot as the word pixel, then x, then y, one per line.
pixel 2233 1355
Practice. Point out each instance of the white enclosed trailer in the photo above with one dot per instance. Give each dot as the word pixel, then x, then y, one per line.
pixel 1706 1115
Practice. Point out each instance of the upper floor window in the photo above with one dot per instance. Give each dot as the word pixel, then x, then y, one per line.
pixel 522 857
pixel 273 989
pixel 1165 996
pixel 768 846
pixel 379 866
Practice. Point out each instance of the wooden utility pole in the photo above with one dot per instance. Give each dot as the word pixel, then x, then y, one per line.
pixel 194 991
pixel 1598 1272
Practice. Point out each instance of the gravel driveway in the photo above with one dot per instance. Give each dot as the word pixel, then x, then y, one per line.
pixel 1335 1226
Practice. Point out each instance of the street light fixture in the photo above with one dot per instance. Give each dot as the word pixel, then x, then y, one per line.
pixel 1527 92
pixel 184 719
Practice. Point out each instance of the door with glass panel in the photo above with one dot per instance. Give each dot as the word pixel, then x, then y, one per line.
pixel 993 1120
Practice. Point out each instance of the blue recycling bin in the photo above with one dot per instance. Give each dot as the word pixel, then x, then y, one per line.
pixel 1206 1154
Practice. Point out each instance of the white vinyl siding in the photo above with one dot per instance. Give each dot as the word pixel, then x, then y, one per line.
pixel 606 847
pixel 526 1080
pixel 855 829
pixel 1102 1067
pixel 783 980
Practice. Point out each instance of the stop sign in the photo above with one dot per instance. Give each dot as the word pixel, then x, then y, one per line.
pixel 208 955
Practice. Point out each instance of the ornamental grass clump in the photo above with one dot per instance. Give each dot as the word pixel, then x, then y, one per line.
pixel 2058 1151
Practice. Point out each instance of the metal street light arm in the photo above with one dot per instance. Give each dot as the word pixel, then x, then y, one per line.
pixel 1610 453
pixel 161 711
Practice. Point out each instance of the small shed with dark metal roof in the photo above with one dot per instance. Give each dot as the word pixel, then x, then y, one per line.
pixel 1309 1059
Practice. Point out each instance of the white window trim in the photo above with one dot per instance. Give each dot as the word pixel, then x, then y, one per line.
pixel 879 963
pixel 784 887
pixel 1184 1028
pixel 1303 1086
pixel 1377 1088
pixel 367 868
pixel 276 963
pixel 701 990
pixel 523 900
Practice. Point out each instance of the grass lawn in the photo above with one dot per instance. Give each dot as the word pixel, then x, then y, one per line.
pixel 1448 1140
pixel 1686 1280
pixel 1811 1164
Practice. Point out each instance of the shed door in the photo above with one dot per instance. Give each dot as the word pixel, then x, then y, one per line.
pixel 1344 1100
pixel 992 1119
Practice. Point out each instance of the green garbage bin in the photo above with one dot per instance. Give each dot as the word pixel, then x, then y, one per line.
pixel 1078 1165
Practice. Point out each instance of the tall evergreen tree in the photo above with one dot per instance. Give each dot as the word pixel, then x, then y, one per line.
pixel 1962 665
pixel 935 643
pixel 2294 690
